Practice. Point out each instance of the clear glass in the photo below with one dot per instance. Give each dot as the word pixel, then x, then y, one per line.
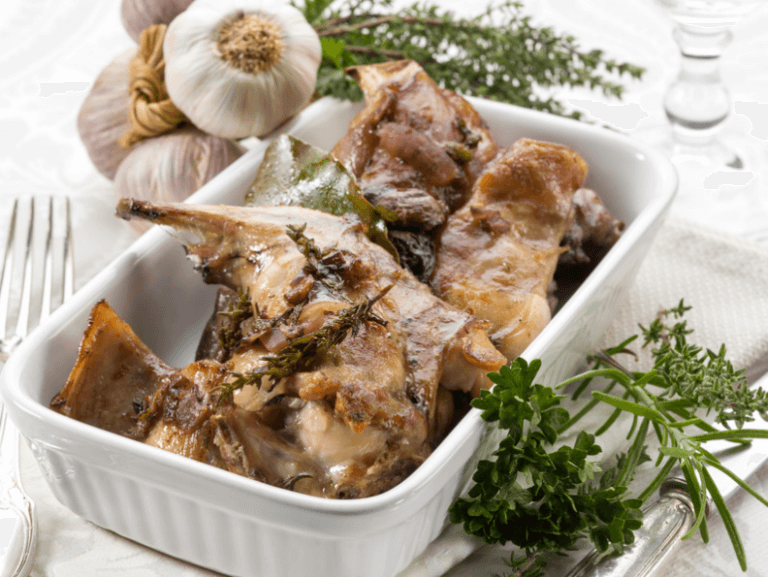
pixel 697 103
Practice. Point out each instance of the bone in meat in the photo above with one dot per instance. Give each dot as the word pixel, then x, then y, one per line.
pixel 497 255
pixel 414 134
pixel 378 388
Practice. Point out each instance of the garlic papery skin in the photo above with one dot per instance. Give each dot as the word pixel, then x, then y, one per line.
pixel 239 68
pixel 137 15
pixel 104 117
pixel 172 166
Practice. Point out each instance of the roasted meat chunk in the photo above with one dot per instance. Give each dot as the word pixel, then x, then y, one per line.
pixel 412 134
pixel 119 385
pixel 497 255
pixel 369 347
pixel 594 229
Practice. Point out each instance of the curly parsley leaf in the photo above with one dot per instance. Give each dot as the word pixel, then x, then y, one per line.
pixel 534 495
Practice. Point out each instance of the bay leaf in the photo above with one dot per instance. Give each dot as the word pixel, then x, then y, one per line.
pixel 296 173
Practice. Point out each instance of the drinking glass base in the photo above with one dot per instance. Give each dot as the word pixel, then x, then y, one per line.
pixel 730 151
pixel 730 173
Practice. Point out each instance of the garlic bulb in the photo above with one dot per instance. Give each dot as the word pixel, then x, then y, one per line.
pixel 103 116
pixel 172 166
pixel 137 15
pixel 239 68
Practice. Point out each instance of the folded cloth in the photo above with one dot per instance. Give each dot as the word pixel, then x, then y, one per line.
pixel 725 281
pixel 723 278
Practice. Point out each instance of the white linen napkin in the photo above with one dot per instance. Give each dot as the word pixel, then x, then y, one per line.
pixel 723 278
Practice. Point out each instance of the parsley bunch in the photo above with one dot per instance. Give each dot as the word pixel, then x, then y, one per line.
pixel 544 499
pixel 534 495
pixel 499 55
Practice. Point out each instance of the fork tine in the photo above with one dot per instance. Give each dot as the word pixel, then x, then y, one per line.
pixel 5 273
pixel 45 306
pixel 69 261
pixel 22 324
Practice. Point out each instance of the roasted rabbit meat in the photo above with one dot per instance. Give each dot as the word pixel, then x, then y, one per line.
pixel 415 149
pixel 328 367
pixel 119 385
pixel 594 229
pixel 497 255
pixel 412 134
pixel 334 380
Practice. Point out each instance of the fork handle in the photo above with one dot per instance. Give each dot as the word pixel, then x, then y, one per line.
pixel 664 523
pixel 21 550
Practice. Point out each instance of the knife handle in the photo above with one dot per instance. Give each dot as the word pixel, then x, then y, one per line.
pixel 664 523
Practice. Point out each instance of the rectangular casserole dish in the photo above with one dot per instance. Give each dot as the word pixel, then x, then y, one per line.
pixel 238 526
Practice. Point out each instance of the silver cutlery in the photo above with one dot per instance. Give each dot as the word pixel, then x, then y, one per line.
pixel 23 304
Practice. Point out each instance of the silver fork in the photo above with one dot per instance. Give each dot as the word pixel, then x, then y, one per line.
pixel 18 294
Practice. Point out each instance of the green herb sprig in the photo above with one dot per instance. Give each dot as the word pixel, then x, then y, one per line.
pixel 499 55
pixel 544 499
pixel 306 352
pixel 231 334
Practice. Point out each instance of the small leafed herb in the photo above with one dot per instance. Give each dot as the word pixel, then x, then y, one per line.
pixel 306 352
pixel 544 499
pixel 499 55
pixel 231 334
pixel 324 265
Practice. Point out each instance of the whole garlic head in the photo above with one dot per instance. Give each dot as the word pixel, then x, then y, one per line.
pixel 239 68
pixel 172 166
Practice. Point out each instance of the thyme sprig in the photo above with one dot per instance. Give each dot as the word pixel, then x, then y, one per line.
pixel 500 54
pixel 231 334
pixel 544 499
pixel 307 351
pixel 703 378
pixel 325 266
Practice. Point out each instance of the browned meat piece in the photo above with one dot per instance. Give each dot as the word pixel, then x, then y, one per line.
pixel 413 134
pixel 211 345
pixel 412 207
pixel 374 394
pixel 416 250
pixel 497 254
pixel 594 229
pixel 120 386
pixel 117 378
pixel 428 158
pixel 113 377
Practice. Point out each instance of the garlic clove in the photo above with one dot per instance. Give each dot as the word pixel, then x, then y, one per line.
pixel 136 15
pixel 103 117
pixel 172 166
pixel 229 84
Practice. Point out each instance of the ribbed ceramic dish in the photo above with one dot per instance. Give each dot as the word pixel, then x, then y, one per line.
pixel 241 527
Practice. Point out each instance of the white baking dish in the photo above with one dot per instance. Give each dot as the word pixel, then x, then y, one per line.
pixel 241 527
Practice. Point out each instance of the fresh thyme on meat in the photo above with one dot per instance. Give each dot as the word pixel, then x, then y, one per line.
pixel 305 352
pixel 544 499
pixel 358 406
pixel 230 334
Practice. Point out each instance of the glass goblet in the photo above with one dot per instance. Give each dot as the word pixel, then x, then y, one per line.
pixel 697 103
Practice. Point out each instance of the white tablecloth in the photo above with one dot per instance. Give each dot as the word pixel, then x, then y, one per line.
pixel 50 53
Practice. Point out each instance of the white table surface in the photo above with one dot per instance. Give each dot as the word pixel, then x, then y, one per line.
pixel 50 53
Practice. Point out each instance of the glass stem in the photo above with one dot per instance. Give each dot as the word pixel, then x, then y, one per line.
pixel 697 102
